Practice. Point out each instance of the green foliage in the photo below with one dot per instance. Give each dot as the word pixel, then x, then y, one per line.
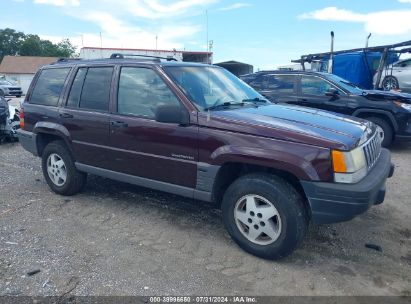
pixel 17 43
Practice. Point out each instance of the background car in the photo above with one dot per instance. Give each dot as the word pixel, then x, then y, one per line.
pixel 398 77
pixel 391 111
pixel 9 89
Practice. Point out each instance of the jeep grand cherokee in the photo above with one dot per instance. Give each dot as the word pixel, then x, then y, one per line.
pixel 198 131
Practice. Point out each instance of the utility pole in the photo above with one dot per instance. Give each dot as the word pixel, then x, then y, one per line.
pixel 156 42
pixel 101 45
pixel 207 29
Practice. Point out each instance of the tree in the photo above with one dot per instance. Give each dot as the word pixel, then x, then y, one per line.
pixel 31 46
pixel 10 42
pixel 17 43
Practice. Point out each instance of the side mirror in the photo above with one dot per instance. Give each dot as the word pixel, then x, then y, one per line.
pixel 332 93
pixel 172 114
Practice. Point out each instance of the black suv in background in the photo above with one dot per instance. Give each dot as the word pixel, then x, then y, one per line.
pixel 391 111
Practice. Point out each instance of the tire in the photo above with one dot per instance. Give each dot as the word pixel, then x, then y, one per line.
pixel 67 180
pixel 390 83
pixel 388 132
pixel 286 228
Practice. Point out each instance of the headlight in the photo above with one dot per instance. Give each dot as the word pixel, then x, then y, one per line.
pixel 349 167
pixel 403 105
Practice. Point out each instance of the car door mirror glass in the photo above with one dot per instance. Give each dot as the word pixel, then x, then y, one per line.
pixel 172 114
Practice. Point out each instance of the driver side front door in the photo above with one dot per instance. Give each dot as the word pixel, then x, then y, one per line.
pixel 312 91
pixel 140 145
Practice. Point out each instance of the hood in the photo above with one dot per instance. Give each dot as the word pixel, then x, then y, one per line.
pixel 387 95
pixel 293 123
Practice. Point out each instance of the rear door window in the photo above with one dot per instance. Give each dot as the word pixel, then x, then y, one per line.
pixel 96 89
pixel 49 86
pixel 75 92
pixel 279 83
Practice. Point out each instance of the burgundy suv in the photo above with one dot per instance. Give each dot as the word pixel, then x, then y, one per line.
pixel 198 131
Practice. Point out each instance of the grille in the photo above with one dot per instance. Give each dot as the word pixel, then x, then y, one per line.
pixel 372 150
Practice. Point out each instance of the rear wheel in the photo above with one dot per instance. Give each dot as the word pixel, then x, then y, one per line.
pixel 384 130
pixel 264 215
pixel 59 170
pixel 390 83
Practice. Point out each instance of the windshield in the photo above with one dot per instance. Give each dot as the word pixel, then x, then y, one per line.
pixel 208 87
pixel 345 84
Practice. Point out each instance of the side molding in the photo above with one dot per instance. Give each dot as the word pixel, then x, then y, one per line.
pixel 145 182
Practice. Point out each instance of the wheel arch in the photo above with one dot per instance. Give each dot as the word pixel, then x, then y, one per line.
pixel 231 171
pixel 389 117
pixel 48 132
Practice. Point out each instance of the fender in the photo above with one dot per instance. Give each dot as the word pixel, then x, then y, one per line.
pixel 44 127
pixel 377 111
pixel 291 161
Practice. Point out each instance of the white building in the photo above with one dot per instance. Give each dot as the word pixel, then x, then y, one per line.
pixel 21 69
pixel 97 53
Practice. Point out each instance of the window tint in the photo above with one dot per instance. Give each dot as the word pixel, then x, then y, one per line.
pixel 75 92
pixel 141 91
pixel 279 83
pixel 314 85
pixel 96 89
pixel 49 86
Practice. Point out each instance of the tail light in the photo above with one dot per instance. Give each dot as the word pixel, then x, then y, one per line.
pixel 22 118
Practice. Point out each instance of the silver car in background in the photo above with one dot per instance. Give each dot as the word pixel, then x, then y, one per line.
pixel 9 89
pixel 397 76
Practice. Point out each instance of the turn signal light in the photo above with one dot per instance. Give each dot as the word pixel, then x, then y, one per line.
pixel 339 162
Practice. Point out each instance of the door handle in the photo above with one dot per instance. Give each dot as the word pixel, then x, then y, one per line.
pixel 119 124
pixel 66 115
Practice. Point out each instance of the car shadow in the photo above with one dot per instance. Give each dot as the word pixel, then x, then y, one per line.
pixel 400 146
pixel 321 240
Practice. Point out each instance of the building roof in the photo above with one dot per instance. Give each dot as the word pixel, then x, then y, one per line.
pixel 145 50
pixel 232 62
pixel 24 64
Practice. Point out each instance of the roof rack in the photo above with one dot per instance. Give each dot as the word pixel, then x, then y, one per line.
pixel 157 58
pixel 67 59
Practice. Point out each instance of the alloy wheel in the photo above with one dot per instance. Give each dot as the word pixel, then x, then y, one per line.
pixel 257 219
pixel 56 169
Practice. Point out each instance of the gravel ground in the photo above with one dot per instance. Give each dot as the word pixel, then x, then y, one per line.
pixel 118 239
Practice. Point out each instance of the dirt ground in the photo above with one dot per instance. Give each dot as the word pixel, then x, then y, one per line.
pixel 118 239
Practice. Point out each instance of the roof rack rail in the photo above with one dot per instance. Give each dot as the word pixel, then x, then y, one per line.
pixel 67 59
pixel 121 56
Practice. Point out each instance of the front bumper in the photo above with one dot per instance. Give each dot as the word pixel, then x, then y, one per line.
pixel 332 202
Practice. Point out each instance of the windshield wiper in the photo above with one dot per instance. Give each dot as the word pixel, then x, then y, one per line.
pixel 224 105
pixel 255 100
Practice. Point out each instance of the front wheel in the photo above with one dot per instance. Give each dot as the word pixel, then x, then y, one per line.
pixel 264 215
pixel 59 170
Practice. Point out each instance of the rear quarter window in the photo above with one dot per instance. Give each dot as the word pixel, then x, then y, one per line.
pixel 49 86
